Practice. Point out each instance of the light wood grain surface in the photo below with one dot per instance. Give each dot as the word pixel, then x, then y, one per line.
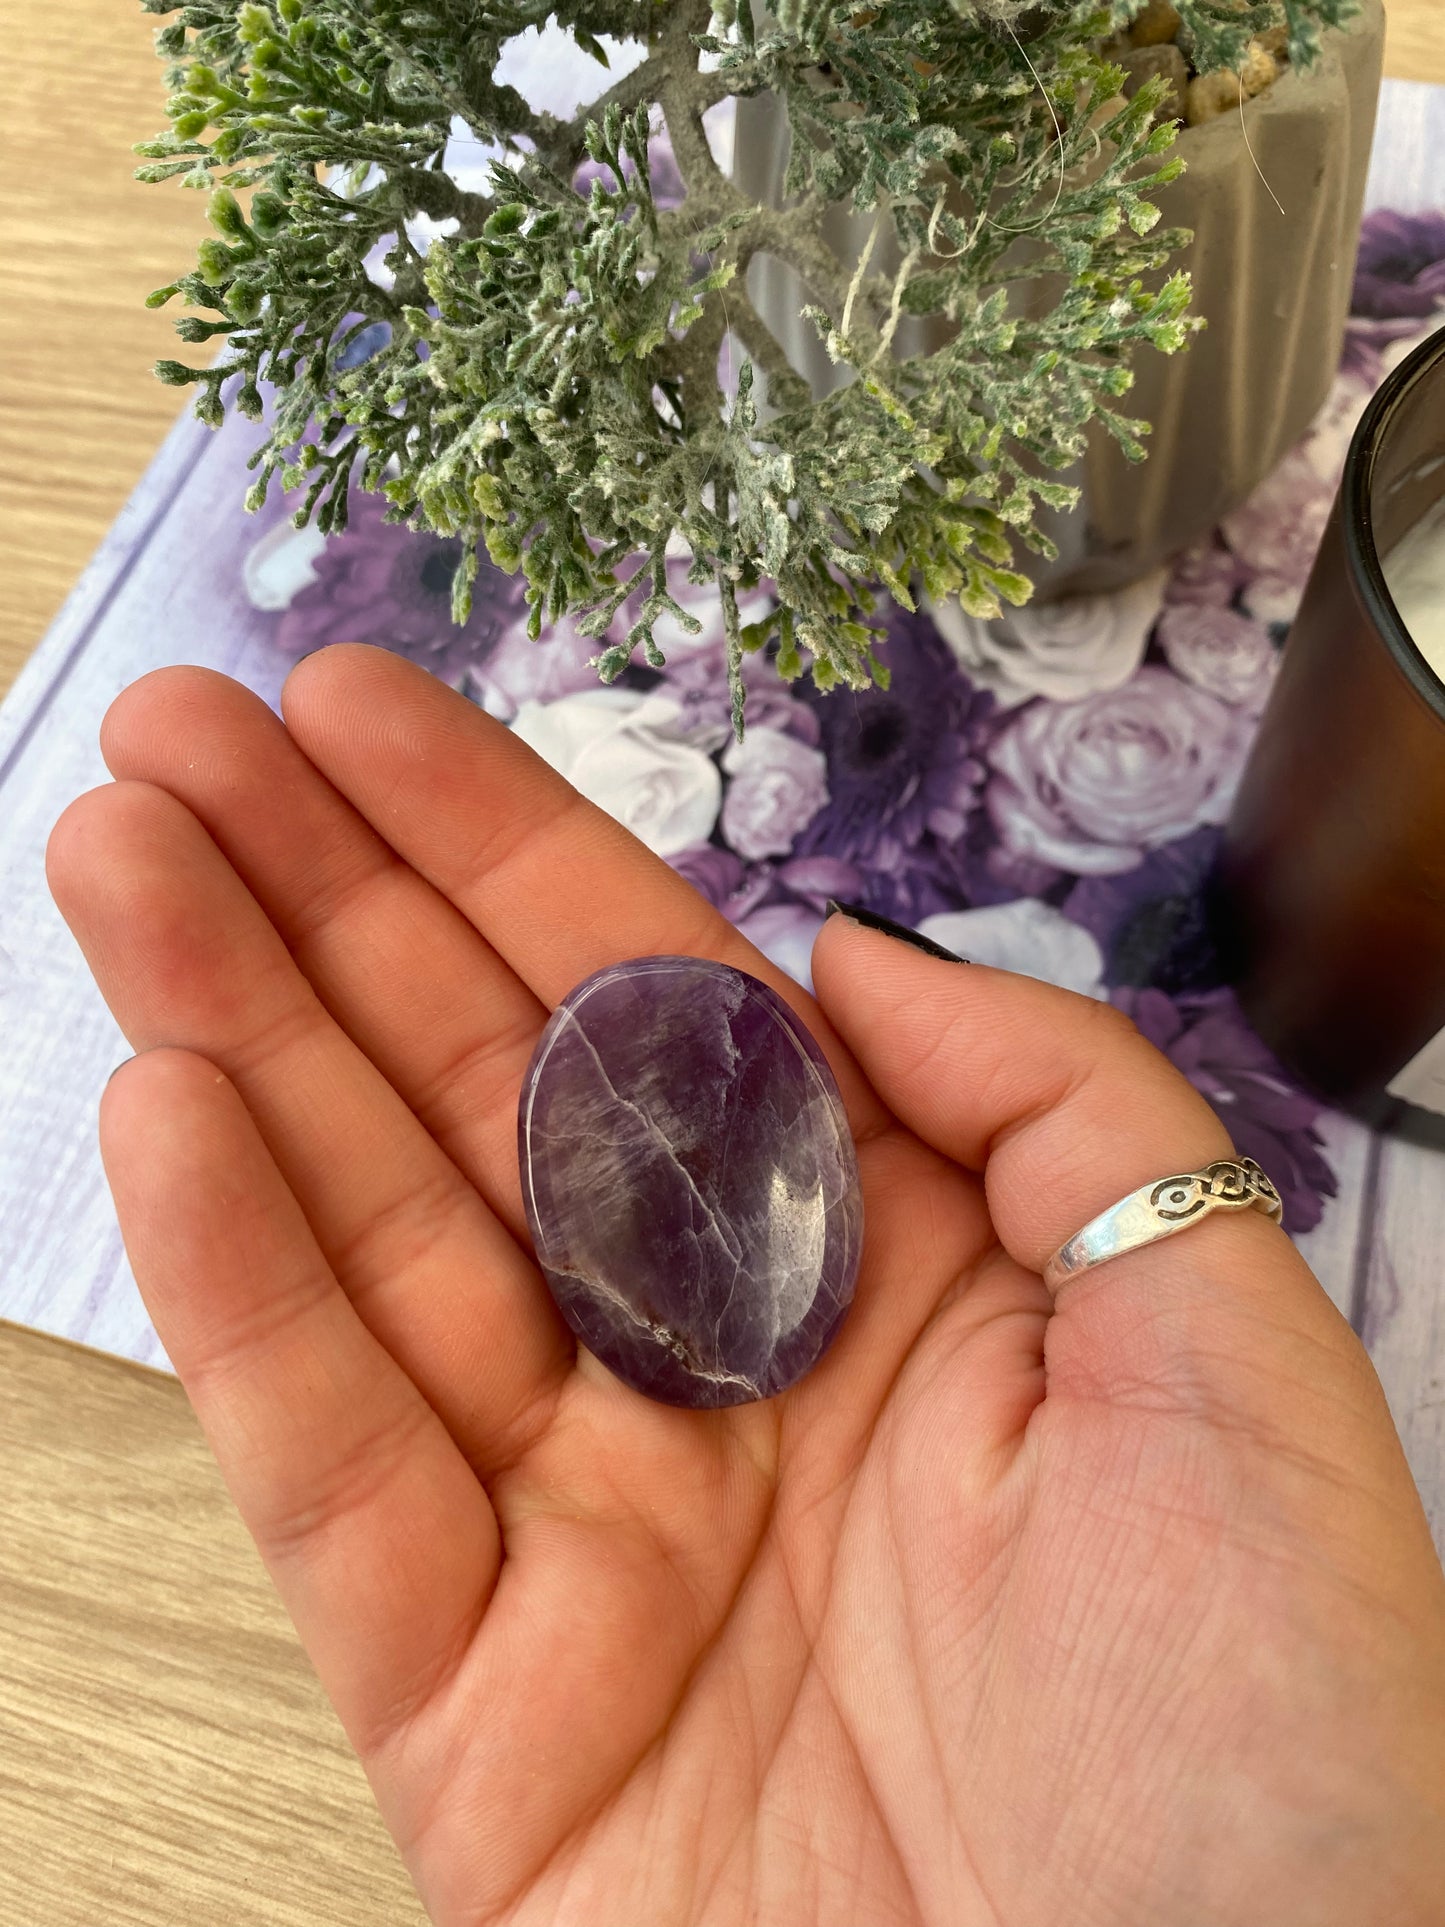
pixel 165 1753
pixel 1415 44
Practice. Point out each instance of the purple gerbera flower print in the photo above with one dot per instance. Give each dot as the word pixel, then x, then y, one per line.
pixel 1268 1118
pixel 1400 268
pixel 903 763
pixel 384 583
pixel 1151 922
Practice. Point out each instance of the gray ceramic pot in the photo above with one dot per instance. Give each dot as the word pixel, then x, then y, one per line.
pixel 1274 287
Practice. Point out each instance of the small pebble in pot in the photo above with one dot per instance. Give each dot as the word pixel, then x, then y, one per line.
pixel 1210 96
pixel 1260 70
pixel 1158 23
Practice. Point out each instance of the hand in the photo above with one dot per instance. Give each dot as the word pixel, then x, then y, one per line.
pixel 1117 1609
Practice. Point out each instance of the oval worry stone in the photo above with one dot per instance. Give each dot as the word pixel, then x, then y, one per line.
pixel 689 1180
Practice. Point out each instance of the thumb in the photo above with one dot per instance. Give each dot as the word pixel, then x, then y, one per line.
pixel 1065 1108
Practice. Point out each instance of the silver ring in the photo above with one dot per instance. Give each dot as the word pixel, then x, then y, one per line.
pixel 1163 1209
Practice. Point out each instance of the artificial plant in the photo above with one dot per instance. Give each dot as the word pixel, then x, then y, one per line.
pixel 547 382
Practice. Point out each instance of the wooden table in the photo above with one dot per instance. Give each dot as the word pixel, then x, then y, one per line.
pixel 165 1753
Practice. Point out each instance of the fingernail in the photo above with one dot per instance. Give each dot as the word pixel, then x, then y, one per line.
pixel 869 919
pixel 121 1065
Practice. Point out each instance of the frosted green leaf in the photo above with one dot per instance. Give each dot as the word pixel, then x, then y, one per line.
pixel 546 385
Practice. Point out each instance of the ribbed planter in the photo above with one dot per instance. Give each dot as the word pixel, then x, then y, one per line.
pixel 1274 288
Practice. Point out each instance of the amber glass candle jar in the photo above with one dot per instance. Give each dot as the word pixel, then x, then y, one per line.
pixel 1330 893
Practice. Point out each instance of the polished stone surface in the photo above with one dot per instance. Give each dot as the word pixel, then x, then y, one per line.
pixel 689 1179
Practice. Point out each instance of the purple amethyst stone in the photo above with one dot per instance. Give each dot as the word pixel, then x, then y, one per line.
pixel 690 1182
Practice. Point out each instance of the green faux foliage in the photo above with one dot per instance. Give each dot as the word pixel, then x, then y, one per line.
pixel 550 385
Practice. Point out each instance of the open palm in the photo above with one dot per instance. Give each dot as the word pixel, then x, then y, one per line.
pixel 1011 1612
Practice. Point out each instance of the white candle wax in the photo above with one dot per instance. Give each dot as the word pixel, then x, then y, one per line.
pixel 1415 576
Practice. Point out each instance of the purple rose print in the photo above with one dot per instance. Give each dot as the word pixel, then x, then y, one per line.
pixel 517 670
pixel 1221 652
pixel 903 762
pixel 1400 267
pixel 1063 650
pixel 1277 532
pixel 778 786
pixel 1279 528
pixel 1267 1117
pixel 1208 574
pixel 1091 786
pixel 384 583
pixel 620 748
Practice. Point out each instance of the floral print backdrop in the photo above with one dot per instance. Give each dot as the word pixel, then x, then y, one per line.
pixel 1045 793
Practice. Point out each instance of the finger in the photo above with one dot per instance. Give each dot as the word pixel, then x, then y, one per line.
pixel 1057 1095
pixel 1067 1109
pixel 554 884
pixel 184 956
pixel 379 1538
pixel 424 997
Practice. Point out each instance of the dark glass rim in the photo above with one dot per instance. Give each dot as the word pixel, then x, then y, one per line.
pixel 1359 534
